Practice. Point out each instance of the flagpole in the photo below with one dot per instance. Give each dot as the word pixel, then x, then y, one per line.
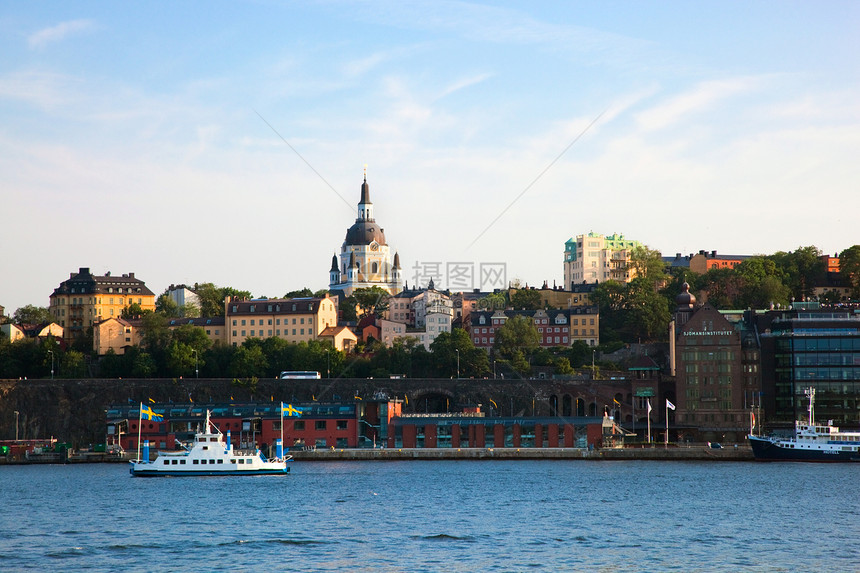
pixel 282 424
pixel 667 424
pixel 648 412
pixel 139 424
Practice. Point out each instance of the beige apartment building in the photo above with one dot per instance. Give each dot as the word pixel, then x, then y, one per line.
pixel 292 319
pixel 595 258
pixel 85 299
pixel 116 334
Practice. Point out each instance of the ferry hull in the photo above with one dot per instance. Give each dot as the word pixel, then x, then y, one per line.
pixel 767 451
pixel 152 472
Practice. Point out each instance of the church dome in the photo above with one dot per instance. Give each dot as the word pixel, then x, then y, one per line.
pixel 364 233
pixel 686 298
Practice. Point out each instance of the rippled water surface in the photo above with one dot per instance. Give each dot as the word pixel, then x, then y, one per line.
pixel 437 516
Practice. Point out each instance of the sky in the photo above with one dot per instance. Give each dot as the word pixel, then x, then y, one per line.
pixel 226 142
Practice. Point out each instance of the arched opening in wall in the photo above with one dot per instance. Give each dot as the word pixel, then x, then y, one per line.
pixel 433 402
pixel 580 407
pixel 374 268
pixel 553 405
pixel 592 409
pixel 567 406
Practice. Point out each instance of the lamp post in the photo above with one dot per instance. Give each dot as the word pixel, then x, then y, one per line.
pixel 592 364
pixel 16 425
pixel 457 350
pixel 196 370
pixel 328 362
pixel 52 363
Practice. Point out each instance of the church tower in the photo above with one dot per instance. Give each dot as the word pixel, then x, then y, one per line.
pixel 365 259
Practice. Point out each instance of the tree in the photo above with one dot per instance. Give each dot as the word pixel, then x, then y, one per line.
pixel 849 268
pixel 211 298
pixel 165 305
pixel 248 360
pixel 30 314
pixel 72 364
pixel 494 301
pixel 133 310
pixel 347 308
pixel 518 334
pixel 802 269
pixel 371 300
pixel 648 263
pixel 303 293
pixel 447 347
pixel 525 299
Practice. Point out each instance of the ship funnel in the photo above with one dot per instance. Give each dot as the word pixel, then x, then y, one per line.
pixel 145 455
pixel 279 448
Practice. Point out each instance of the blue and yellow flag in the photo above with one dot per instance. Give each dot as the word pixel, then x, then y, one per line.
pixel 288 410
pixel 146 413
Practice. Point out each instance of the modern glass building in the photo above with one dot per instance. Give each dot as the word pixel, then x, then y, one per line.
pixel 811 347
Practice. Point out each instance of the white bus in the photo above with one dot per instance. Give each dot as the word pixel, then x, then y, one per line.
pixel 299 375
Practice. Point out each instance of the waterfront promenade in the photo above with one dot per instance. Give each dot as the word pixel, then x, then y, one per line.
pixel 655 453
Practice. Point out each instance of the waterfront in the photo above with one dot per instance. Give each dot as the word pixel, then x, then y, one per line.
pixel 436 516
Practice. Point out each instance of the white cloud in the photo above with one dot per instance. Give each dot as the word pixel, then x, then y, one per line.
pixel 702 97
pixel 58 33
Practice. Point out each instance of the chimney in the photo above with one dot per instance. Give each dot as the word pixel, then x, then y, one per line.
pixel 714 254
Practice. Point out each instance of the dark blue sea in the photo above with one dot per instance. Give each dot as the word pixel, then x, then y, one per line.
pixel 437 516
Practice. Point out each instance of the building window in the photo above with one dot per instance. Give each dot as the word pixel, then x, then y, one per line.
pixel 320 424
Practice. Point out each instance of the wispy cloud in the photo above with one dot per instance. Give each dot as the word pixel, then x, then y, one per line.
pixel 464 83
pixel 700 98
pixel 58 33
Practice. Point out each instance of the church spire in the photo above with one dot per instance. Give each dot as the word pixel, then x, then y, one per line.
pixel 365 206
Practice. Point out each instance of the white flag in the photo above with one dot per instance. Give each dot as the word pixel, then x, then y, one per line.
pixel 649 406
pixel 670 405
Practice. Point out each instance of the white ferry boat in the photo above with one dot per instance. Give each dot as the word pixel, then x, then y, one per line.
pixel 210 455
pixel 811 442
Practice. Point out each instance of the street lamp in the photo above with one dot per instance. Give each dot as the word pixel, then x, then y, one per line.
pixel 457 350
pixel 52 363
pixel 16 425
pixel 328 362
pixel 196 370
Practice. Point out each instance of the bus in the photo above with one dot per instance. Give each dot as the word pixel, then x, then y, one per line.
pixel 299 375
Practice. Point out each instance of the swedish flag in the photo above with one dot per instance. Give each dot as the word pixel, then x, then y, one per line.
pixel 288 410
pixel 146 413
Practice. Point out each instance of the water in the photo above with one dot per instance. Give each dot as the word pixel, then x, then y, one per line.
pixel 437 516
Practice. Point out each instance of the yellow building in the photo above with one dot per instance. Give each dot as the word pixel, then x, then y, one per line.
pixel 85 299
pixel 580 295
pixel 16 332
pixel 292 319
pixel 212 326
pixel 116 334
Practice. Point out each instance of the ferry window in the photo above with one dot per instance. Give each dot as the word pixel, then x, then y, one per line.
pixel 182 462
pixel 166 462
pixel 241 460
pixel 213 439
pixel 205 447
pixel 174 462
pixel 211 462
pixel 232 461
pixel 220 461
pixel 195 462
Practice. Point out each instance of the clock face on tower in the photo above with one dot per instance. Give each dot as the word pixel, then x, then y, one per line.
pixel 374 246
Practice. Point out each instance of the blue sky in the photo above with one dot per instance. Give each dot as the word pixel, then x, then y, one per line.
pixel 131 135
